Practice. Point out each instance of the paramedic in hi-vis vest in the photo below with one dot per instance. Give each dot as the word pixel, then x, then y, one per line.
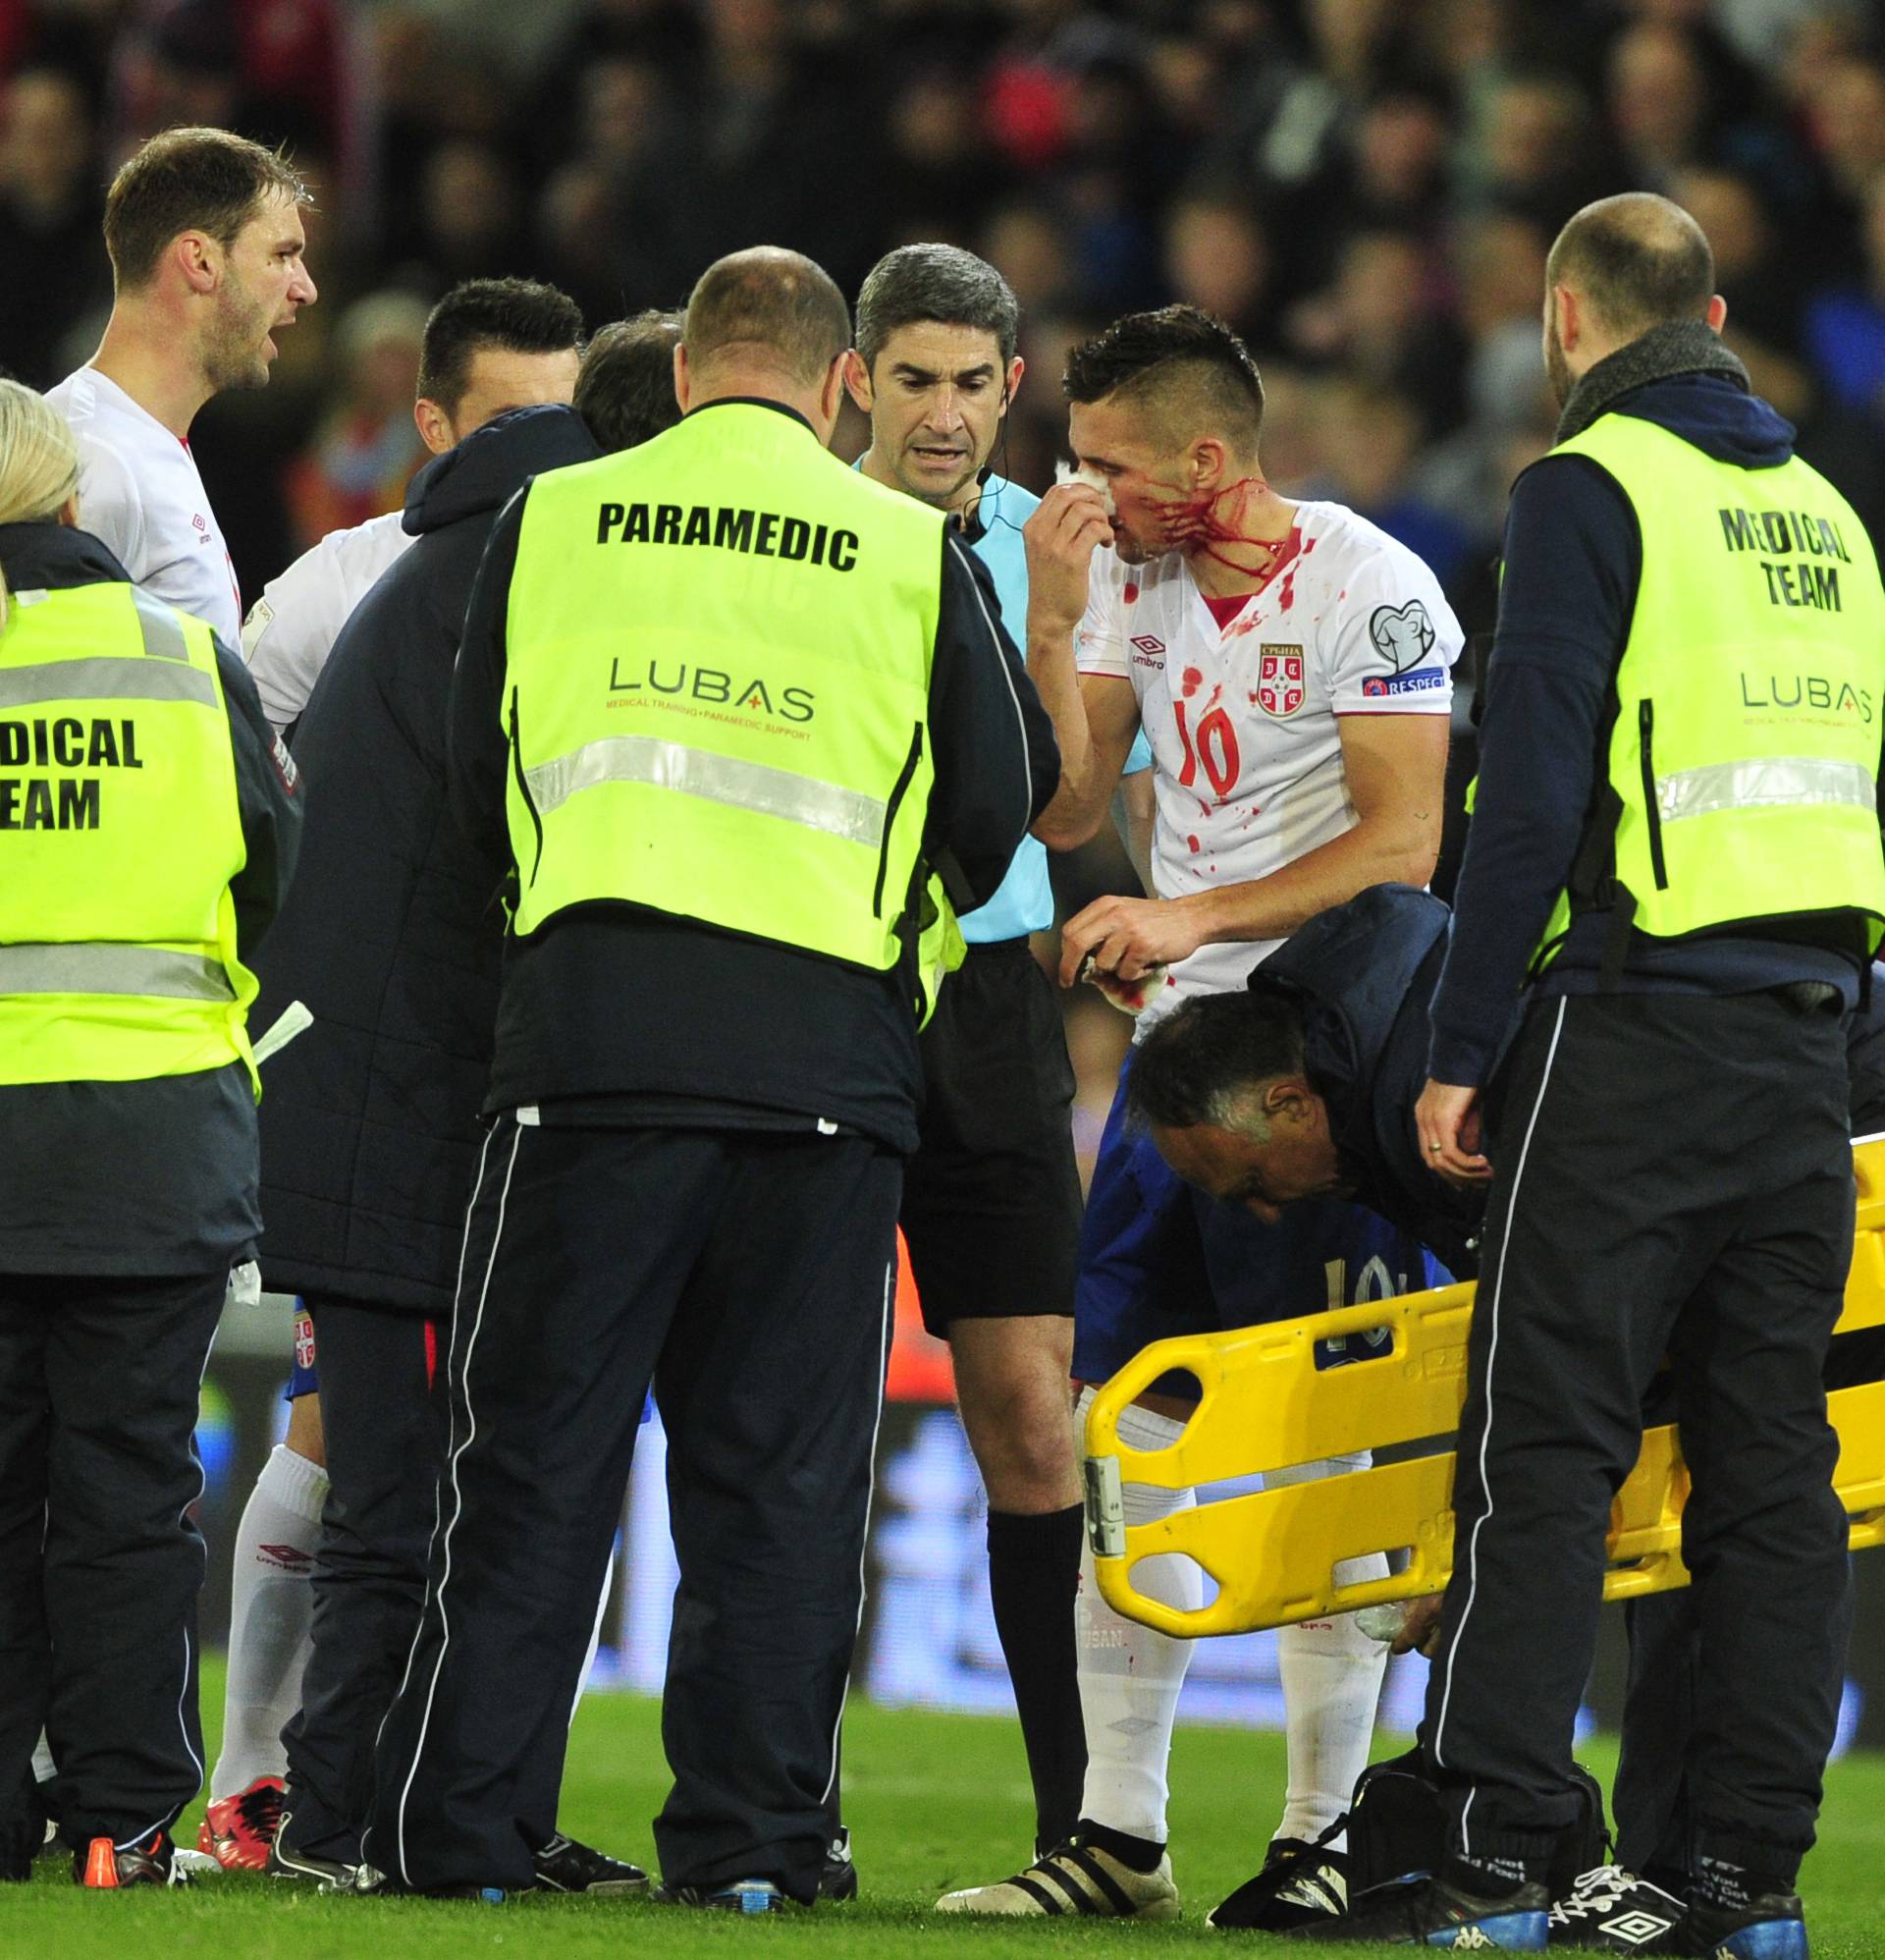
pixel 741 733
pixel 147 829
pixel 1675 853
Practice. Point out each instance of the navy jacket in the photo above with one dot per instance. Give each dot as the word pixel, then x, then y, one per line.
pixel 154 1179
pixel 1362 975
pixel 391 935
pixel 1573 560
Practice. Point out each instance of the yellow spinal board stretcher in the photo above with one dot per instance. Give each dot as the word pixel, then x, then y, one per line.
pixel 1265 1406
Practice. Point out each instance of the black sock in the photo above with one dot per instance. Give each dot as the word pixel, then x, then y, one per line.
pixel 1142 1854
pixel 1034 1574
pixel 1731 1887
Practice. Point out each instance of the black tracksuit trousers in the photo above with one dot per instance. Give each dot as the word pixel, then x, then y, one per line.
pixel 385 1429
pixel 100 1561
pixel 1673 1174
pixel 751 1275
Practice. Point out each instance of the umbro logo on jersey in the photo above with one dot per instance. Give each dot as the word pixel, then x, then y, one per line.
pixel 1147 643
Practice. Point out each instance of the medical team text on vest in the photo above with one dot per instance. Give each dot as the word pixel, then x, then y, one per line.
pixel 1807 536
pixel 61 802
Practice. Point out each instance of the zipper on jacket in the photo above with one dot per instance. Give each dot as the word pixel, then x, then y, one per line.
pixel 1646 731
pixel 889 818
pixel 523 788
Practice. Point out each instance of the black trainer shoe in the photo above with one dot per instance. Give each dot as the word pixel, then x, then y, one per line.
pixel 103 1867
pixel 1616 1912
pixel 565 1865
pixel 1771 1928
pixel 1299 1885
pixel 284 1862
pixel 837 1881
pixel 1428 1912
pixel 737 1895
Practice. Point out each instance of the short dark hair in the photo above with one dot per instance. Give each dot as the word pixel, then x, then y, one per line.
pixel 625 386
pixel 1181 355
pixel 190 180
pixel 1642 261
pixel 934 282
pixel 518 315
pixel 1195 1064
pixel 780 306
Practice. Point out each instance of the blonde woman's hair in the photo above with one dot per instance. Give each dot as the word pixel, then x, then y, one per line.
pixel 39 462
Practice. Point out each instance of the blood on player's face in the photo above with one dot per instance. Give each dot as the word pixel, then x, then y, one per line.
pixel 1144 482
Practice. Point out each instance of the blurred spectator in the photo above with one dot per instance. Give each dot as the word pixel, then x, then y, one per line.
pixel 1538 152
pixel 1499 258
pixel 295 70
pixel 1218 255
pixel 943 171
pixel 471 214
pixel 367 447
pixel 1381 321
pixel 1846 325
pixel 51 214
pixel 1763 292
pixel 1370 438
pixel 1397 174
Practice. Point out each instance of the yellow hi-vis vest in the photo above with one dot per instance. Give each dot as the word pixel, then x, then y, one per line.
pixel 120 831
pixel 1745 750
pixel 717 697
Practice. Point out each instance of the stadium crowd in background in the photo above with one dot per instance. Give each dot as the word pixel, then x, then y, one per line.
pixel 1366 190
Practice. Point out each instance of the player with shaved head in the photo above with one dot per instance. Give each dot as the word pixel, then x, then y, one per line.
pixel 1289 664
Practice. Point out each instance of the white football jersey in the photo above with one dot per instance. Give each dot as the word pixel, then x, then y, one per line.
pixel 1247 759
pixel 140 496
pixel 293 626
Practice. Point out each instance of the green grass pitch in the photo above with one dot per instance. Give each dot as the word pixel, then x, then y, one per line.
pixel 933 1801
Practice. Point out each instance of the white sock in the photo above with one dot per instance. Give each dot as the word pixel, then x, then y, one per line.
pixel 1331 1675
pixel 271 1610
pixel 1130 1675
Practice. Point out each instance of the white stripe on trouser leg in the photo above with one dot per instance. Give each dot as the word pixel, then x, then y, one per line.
pixel 1130 1675
pixel 870 1492
pixel 438 1486
pixel 595 1635
pixel 1491 1310
pixel 458 1502
pixel 183 1693
pixel 1331 1675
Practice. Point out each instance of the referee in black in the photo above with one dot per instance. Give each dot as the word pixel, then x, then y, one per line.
pixel 1675 844
pixel 722 708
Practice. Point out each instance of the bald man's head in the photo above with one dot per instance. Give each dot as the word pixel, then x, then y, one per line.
pixel 1636 261
pixel 768 310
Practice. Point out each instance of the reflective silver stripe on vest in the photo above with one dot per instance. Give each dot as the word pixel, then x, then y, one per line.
pixel 163 630
pixel 1778 782
pixel 104 967
pixel 104 677
pixel 745 785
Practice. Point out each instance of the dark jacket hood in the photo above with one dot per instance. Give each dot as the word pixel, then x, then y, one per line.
pixel 491 465
pixel 1721 418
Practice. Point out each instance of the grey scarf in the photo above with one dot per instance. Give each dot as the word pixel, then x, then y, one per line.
pixel 1681 347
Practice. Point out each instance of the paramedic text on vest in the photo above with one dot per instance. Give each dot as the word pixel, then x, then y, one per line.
pixel 721 706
